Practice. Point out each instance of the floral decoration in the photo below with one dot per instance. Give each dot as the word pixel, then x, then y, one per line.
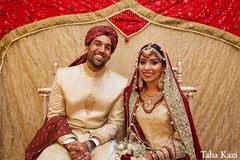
pixel 130 150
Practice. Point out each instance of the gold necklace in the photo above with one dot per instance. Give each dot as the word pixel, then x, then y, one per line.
pixel 149 103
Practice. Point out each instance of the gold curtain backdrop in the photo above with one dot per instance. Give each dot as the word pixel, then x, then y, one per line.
pixel 210 63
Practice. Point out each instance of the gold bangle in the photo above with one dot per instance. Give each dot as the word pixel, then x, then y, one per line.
pixel 154 155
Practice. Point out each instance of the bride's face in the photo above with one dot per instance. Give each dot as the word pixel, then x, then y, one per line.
pixel 150 67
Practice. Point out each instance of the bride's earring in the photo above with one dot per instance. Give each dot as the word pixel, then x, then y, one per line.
pixel 140 82
pixel 161 81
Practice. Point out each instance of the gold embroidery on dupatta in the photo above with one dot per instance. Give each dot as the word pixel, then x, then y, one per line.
pixel 178 113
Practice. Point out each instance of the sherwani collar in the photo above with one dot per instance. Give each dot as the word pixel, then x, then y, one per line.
pixel 93 74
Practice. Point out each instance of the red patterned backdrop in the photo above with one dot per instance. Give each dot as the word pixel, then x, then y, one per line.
pixel 222 14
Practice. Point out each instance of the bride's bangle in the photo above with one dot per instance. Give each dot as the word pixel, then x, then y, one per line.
pixel 154 155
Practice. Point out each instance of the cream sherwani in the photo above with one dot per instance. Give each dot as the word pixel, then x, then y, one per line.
pixel 92 104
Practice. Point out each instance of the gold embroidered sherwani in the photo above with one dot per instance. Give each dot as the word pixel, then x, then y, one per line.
pixel 92 104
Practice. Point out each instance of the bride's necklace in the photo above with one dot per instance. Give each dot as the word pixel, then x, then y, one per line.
pixel 149 103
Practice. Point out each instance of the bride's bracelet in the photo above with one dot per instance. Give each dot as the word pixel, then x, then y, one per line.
pixel 154 155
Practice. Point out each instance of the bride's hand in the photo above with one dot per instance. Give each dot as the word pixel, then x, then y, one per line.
pixel 149 156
